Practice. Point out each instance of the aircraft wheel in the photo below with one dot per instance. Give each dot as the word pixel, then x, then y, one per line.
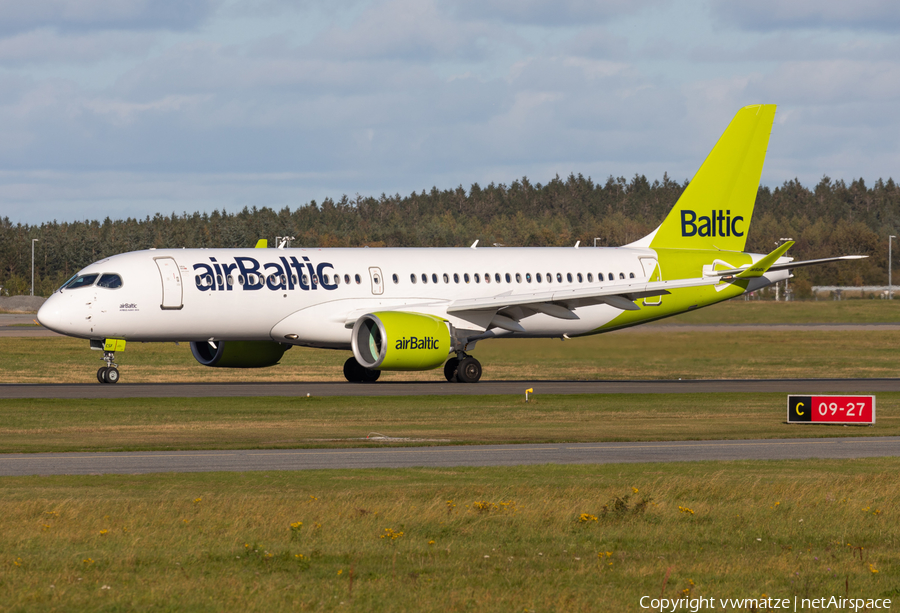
pixel 371 376
pixel 469 370
pixel 112 375
pixel 101 374
pixel 353 371
pixel 450 368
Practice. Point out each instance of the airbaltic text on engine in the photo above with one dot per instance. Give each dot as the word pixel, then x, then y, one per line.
pixel 271 275
pixel 429 342
pixel 706 226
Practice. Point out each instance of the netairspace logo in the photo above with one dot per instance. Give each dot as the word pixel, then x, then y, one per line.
pixel 834 603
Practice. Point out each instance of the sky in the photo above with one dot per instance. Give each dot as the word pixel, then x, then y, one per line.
pixel 128 108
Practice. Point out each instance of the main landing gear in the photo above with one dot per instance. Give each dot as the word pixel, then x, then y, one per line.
pixel 357 373
pixel 462 369
pixel 110 372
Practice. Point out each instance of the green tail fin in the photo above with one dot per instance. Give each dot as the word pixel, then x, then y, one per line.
pixel 714 211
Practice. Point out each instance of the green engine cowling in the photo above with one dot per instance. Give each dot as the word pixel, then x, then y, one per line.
pixel 239 354
pixel 391 340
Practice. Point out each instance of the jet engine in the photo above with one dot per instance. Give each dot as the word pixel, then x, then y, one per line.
pixel 391 340
pixel 238 354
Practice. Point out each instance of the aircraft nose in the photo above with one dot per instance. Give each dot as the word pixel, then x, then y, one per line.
pixel 50 315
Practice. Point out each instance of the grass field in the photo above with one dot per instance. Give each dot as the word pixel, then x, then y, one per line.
pixel 532 538
pixel 241 423
pixel 650 352
pixel 535 538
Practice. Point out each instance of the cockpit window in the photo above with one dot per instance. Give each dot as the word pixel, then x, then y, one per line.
pixel 81 281
pixel 110 281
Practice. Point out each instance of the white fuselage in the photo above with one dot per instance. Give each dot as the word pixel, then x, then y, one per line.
pixel 313 296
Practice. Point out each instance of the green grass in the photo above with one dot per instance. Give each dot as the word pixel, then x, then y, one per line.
pixel 803 312
pixel 213 542
pixel 238 423
pixel 648 352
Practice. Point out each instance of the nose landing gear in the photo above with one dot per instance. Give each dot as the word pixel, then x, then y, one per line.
pixel 110 372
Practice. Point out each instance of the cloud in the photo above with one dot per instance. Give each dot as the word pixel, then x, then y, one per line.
pixel 545 13
pixel 87 15
pixel 46 45
pixel 768 15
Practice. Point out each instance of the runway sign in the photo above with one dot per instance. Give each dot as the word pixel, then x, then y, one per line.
pixel 831 409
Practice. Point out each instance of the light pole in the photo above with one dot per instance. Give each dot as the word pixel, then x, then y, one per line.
pixel 33 241
pixel 890 280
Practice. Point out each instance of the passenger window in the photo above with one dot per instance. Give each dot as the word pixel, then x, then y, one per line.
pixel 518 277
pixel 326 280
pixel 110 281
pixel 433 278
pixel 357 279
pixel 230 280
pixel 347 279
pixel 477 278
pixel 497 277
pixel 631 275
pixel 580 279
pixel 446 278
pixel 219 280
pixel 590 278
pixel 304 278
pixel 240 279
pixel 538 277
pixel 569 277
pixel 528 277
pixel 508 278
pixel 549 277
pixel 559 277
pixel 395 278
pixel 315 279
pixel 456 277
pixel 424 278
pixel 610 276
pixel 466 277
pixel 293 280
pixel 412 277
pixel 487 277
pixel 621 275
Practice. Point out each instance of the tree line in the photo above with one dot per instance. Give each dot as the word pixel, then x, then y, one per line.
pixel 833 218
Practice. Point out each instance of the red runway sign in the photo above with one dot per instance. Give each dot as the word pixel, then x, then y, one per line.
pixel 831 409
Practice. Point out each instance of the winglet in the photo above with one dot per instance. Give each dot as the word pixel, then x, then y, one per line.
pixel 760 267
pixel 262 244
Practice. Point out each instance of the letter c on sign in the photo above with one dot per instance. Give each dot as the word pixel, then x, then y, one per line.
pixel 797 408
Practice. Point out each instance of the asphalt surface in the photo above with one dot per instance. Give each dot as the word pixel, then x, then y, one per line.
pixel 469 455
pixel 438 388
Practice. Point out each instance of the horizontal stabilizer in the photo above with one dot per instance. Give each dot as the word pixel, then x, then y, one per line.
pixel 789 265
pixel 762 266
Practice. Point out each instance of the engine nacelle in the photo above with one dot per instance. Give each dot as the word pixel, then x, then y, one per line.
pixel 239 354
pixel 391 340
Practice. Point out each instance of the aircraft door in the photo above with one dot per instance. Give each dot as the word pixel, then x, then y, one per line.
pixel 377 280
pixel 653 273
pixel 171 284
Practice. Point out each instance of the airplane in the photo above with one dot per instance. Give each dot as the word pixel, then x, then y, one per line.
pixel 405 309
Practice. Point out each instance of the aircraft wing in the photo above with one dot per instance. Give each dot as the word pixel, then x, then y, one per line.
pixel 620 296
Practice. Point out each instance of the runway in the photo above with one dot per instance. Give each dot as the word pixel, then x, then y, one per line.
pixel 448 456
pixel 438 388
